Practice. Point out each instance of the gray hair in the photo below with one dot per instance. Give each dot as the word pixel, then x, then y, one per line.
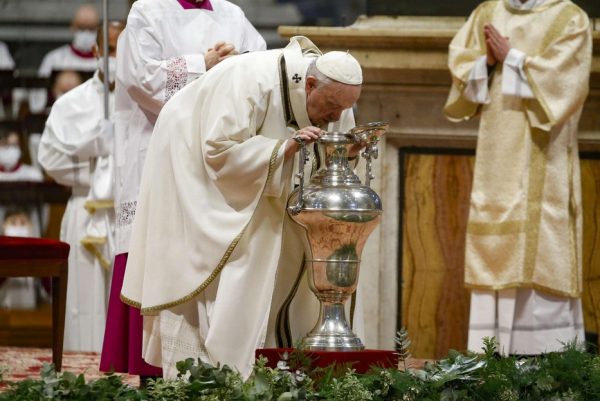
pixel 322 79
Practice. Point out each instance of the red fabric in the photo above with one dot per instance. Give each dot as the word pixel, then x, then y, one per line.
pixel 122 347
pixel 361 361
pixel 12 170
pixel 12 248
pixel 81 54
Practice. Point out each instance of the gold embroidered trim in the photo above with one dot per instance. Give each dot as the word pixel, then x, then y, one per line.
pixel 223 261
pixel 537 176
pixel 130 302
pixel 504 228
pixel 519 284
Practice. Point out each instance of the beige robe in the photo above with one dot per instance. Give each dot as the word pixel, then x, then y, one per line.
pixel 525 227
pixel 211 235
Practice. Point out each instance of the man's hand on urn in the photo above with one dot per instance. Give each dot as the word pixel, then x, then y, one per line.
pixel 307 135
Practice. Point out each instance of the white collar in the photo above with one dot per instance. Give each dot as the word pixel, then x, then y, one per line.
pixel 298 54
pixel 527 5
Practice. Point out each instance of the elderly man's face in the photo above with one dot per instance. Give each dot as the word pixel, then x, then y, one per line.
pixel 325 104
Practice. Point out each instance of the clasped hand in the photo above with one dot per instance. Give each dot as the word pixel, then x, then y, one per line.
pixel 219 52
pixel 497 45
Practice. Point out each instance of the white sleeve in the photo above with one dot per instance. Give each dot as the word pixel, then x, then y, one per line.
pixel 151 80
pixel 476 89
pixel 64 151
pixel 253 41
pixel 514 81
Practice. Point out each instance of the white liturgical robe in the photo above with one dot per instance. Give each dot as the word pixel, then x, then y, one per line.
pixel 161 50
pixel 67 57
pixel 213 254
pixel 75 133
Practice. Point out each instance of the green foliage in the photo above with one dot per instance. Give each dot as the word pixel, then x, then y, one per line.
pixel 67 386
pixel 570 375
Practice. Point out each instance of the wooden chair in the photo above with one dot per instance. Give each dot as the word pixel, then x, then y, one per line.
pixel 39 257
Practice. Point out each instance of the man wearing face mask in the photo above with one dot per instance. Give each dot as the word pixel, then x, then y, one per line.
pixel 11 168
pixel 76 132
pixel 17 292
pixel 77 55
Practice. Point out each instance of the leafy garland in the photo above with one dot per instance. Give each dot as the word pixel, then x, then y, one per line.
pixel 570 375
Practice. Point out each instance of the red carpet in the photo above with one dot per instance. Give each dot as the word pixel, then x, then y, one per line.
pixel 18 363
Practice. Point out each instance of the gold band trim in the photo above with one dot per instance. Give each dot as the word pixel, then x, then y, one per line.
pixel 222 262
pixel 504 228
pixel 519 284
pixel 537 177
pixel 574 249
pixel 91 245
pixel 92 206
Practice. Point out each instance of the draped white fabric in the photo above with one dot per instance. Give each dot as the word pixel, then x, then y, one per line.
pixel 161 51
pixel 75 133
pixel 208 239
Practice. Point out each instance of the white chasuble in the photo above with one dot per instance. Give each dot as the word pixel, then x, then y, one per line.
pixel 211 231
pixel 74 134
pixel 160 51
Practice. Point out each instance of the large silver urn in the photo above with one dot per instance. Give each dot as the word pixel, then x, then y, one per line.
pixel 338 214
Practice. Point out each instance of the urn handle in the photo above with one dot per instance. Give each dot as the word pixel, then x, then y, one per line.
pixel 369 134
pixel 302 160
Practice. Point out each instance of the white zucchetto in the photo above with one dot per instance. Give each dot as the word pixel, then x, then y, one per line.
pixel 341 67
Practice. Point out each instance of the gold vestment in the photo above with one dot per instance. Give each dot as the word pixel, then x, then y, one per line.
pixel 525 225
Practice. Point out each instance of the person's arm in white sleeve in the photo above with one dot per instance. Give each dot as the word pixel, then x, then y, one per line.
pixel 253 41
pixel 65 151
pixel 151 80
pixel 476 89
pixel 514 80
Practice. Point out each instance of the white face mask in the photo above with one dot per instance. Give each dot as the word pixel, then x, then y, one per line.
pixel 17 231
pixel 84 40
pixel 112 67
pixel 9 156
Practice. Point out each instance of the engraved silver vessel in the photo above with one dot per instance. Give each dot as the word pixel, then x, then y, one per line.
pixel 338 214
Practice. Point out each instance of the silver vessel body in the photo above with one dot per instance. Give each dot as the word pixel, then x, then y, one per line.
pixel 338 213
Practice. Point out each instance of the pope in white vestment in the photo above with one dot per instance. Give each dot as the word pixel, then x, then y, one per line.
pixel 214 256
pixel 525 65
pixel 77 132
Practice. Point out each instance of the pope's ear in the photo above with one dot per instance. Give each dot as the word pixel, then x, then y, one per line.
pixel 311 83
